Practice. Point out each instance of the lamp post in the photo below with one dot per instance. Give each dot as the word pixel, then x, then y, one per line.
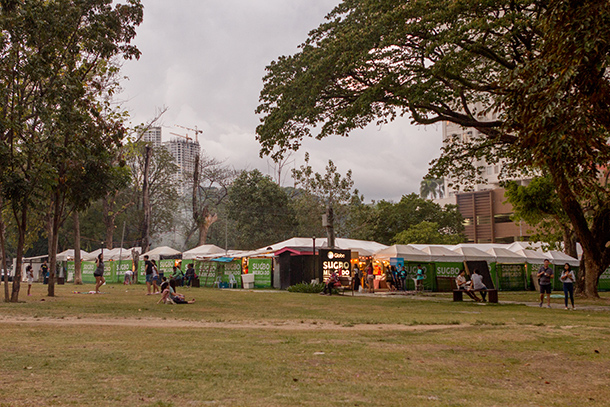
pixel 313 252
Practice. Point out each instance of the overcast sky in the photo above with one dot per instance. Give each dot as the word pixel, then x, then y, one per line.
pixel 205 60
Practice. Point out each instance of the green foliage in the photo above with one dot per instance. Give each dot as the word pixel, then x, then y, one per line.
pixel 530 76
pixel 539 206
pixel 426 233
pixel 383 221
pixel 260 211
pixel 306 288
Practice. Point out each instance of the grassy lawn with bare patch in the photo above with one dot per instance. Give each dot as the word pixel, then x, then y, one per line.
pixel 234 348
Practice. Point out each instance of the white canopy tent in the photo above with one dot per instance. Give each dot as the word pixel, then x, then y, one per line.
pixel 203 250
pixel 407 252
pixel 360 246
pixel 506 256
pixel 156 253
pixel 531 256
pixel 93 255
pixel 470 253
pixel 558 258
pixel 441 254
pixel 68 255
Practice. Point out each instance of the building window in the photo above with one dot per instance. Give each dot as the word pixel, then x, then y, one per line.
pixel 502 218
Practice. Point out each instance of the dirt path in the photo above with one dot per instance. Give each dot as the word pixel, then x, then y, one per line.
pixel 161 323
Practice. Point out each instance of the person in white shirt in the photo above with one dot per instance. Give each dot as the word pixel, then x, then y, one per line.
pixel 466 286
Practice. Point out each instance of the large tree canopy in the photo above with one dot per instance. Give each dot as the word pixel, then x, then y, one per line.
pixel 530 75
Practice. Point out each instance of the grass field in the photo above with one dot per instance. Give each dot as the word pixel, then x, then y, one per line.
pixel 250 348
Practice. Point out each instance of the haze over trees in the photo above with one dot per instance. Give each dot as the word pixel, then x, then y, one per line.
pixel 531 76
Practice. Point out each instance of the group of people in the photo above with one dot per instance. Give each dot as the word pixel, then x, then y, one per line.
pixel 545 280
pixel 155 277
pixel 397 279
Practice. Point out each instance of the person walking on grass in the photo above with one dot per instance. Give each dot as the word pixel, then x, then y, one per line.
pixel 156 278
pixel 99 273
pixel 568 278
pixel 545 277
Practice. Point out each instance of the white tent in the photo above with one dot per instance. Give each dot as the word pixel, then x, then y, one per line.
pixel 202 250
pixel 361 246
pixel 515 246
pixel 68 255
pixel 407 252
pixel 506 256
pixel 156 253
pixel 473 254
pixel 559 258
pixel 93 255
pixel 440 253
pixel 531 256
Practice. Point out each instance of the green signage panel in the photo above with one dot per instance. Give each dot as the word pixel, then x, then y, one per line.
pixel 261 268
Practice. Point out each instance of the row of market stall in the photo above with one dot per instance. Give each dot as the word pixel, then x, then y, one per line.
pixel 505 266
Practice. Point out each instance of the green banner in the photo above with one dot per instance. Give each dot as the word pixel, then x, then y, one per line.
pixel 511 277
pixel 88 268
pixel 166 267
pixel 261 268
pixel 446 274
pixel 429 273
pixel 206 270
pixel 231 269
pixel 532 270
pixel 118 268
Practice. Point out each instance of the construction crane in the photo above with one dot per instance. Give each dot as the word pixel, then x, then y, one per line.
pixel 195 130
pixel 180 135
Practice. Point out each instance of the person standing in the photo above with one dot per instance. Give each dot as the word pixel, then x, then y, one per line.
pixel 568 278
pixel 545 278
pixel 99 273
pixel 29 274
pixel 155 278
pixel 419 278
pixel 370 278
pixel 44 272
pixel 402 278
pixel 148 270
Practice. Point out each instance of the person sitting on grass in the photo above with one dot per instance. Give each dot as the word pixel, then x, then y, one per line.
pixel 165 293
pixel 477 284
pixel 466 286
pixel 175 297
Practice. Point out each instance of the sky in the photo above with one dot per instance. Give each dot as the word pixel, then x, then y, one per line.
pixel 205 59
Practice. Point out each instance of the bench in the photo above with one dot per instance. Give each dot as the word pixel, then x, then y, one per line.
pixel 346 283
pixel 492 295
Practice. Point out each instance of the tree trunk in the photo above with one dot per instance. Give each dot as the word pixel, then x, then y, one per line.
pixel 330 227
pixel 78 276
pixel 593 271
pixel 53 241
pixel 569 242
pixel 107 208
pixel 146 202
pixel 21 226
pixel 3 253
pixel 204 227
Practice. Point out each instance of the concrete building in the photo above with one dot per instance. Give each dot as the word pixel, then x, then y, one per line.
pixel 153 135
pixel 486 215
pixel 184 153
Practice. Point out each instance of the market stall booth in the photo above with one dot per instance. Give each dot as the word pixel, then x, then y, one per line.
pixel 508 270
pixel 476 259
pixel 533 260
pixel 408 256
pixel 447 265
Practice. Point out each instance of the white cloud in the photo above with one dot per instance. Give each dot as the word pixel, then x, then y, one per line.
pixel 205 61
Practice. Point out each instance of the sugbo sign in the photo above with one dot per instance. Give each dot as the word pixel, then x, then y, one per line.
pixel 448 269
pixel 261 268
pixel 335 260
